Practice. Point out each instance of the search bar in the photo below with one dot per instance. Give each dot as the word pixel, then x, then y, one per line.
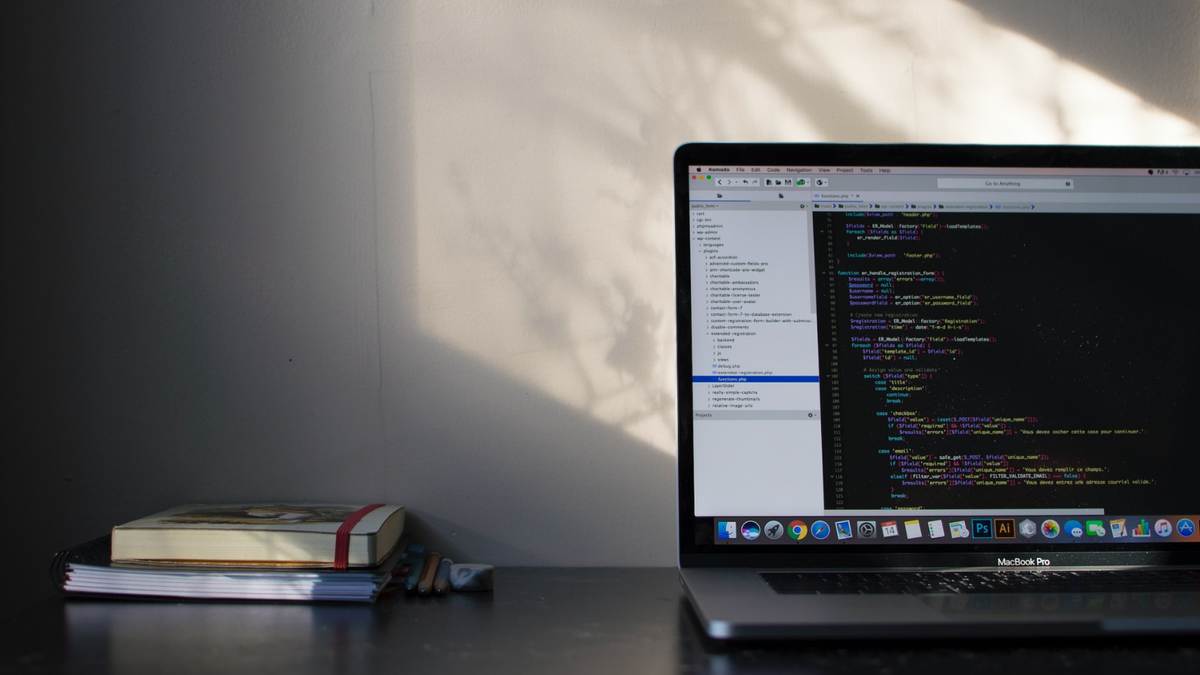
pixel 1006 183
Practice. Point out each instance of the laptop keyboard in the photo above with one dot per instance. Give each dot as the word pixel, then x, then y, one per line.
pixel 998 581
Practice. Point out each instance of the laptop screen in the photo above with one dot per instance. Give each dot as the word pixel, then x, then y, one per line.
pixel 913 346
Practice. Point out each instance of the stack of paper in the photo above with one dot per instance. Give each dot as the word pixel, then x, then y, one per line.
pixel 347 586
pixel 298 552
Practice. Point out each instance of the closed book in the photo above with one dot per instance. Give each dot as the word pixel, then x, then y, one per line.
pixel 262 534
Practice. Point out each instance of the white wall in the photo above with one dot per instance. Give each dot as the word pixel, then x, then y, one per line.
pixel 421 252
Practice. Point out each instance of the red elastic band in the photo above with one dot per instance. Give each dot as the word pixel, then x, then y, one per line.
pixel 341 541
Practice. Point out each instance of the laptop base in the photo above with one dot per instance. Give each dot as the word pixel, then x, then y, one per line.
pixel 737 604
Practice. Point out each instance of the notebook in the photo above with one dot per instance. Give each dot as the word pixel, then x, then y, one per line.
pixel 931 391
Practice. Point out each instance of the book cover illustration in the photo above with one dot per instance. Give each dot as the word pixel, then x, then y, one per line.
pixel 262 517
pixel 269 514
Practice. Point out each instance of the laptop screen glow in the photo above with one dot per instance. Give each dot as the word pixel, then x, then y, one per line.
pixel 971 342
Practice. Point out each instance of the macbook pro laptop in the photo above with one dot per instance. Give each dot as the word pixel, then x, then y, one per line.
pixel 938 390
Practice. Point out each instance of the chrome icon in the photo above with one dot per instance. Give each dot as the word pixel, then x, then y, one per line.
pixel 797 529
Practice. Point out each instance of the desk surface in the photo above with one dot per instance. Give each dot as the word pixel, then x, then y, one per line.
pixel 555 620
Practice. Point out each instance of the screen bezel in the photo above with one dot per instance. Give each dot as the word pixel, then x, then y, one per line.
pixel 689 155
